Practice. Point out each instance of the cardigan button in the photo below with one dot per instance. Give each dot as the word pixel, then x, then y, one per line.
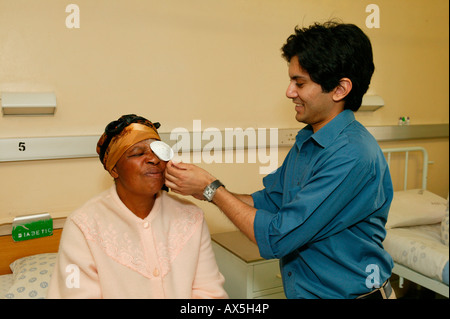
pixel 156 272
pixel 146 225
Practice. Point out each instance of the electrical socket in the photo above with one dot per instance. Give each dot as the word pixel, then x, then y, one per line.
pixel 286 137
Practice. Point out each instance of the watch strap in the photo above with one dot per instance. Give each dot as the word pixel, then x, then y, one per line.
pixel 216 184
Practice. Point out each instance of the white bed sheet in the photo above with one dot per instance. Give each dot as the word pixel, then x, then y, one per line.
pixel 419 248
pixel 6 281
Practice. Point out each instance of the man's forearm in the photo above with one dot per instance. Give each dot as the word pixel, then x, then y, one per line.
pixel 248 199
pixel 238 208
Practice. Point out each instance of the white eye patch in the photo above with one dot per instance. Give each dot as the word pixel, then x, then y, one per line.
pixel 162 150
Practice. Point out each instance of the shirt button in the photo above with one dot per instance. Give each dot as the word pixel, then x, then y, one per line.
pixel 156 272
pixel 146 225
pixel 289 274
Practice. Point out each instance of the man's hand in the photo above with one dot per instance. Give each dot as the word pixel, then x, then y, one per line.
pixel 187 179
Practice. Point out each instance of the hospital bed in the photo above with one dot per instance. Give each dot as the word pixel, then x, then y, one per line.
pixel 417 226
pixel 26 266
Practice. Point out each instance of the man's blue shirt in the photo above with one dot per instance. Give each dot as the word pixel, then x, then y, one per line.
pixel 322 213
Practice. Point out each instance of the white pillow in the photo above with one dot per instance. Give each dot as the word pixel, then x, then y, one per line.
pixel 31 276
pixel 415 207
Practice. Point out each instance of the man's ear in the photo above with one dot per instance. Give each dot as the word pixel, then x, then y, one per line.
pixel 342 90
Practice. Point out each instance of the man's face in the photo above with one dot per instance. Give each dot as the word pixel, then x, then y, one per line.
pixel 139 171
pixel 312 105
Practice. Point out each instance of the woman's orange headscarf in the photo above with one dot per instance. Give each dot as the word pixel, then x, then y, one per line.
pixel 121 134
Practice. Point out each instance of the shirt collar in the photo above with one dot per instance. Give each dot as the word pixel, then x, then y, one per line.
pixel 327 134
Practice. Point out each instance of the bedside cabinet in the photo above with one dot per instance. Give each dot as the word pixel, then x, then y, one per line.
pixel 247 274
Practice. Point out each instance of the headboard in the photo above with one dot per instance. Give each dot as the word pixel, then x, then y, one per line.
pixel 402 154
pixel 10 250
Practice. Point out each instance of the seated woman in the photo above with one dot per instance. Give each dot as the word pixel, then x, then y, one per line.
pixel 135 240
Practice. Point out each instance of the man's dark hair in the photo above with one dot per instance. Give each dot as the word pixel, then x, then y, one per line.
pixel 330 52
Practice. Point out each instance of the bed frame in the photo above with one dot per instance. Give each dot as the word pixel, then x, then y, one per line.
pixel 10 250
pixel 400 270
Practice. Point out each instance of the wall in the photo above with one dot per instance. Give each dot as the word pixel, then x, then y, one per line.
pixel 175 61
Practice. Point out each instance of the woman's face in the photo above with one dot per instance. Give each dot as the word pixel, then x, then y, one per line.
pixel 139 172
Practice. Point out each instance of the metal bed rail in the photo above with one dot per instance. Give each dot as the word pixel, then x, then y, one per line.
pixel 407 150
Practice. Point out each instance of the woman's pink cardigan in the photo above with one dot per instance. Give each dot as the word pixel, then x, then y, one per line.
pixel 108 252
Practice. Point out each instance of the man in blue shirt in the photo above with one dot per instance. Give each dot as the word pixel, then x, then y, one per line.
pixel 322 213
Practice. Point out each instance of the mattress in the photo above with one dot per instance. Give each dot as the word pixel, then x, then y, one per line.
pixel 419 248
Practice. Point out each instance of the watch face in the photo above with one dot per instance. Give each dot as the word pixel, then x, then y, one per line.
pixel 208 193
pixel 210 190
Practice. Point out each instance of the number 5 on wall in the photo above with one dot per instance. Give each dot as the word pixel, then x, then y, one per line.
pixel 37 148
pixel 22 146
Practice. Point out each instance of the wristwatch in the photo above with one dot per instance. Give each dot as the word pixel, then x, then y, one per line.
pixel 211 189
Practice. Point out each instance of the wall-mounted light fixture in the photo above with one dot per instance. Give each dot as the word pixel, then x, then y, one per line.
pixel 15 103
pixel 371 103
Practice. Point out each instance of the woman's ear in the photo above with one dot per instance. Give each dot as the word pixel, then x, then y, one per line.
pixel 342 90
pixel 114 173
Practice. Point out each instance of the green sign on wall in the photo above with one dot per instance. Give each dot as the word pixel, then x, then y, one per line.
pixel 32 226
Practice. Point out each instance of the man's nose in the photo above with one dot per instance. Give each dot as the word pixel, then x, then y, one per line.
pixel 291 91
